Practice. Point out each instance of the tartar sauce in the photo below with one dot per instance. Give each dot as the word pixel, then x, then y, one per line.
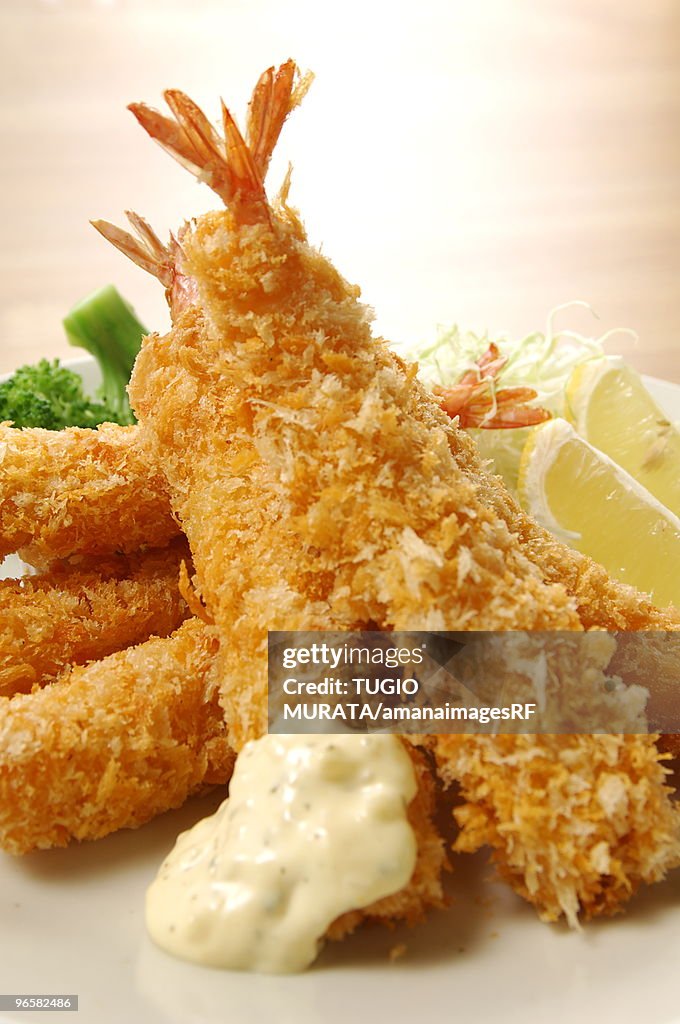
pixel 314 826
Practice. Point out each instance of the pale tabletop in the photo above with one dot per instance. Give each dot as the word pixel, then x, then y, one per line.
pixel 477 163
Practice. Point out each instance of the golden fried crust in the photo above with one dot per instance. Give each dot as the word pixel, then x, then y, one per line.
pixel 425 887
pixel 78 490
pixel 49 623
pixel 290 435
pixel 577 823
pixel 112 744
pixel 287 434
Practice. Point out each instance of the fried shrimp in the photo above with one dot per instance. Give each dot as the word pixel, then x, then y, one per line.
pixel 112 744
pixel 63 618
pixel 80 491
pixel 576 823
pixel 289 434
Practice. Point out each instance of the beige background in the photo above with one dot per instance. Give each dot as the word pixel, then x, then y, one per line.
pixel 472 162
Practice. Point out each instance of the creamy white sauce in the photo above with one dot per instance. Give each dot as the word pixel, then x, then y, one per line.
pixel 314 826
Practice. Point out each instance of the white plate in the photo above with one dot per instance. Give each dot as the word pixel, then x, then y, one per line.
pixel 71 921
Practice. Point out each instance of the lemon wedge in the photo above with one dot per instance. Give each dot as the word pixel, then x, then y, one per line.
pixel 587 500
pixel 611 408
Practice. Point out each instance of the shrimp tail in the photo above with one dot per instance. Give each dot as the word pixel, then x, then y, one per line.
pixel 223 163
pixel 146 250
pixel 233 167
pixel 277 93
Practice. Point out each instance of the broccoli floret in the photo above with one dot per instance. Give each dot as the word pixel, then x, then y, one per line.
pixel 48 395
pixel 106 326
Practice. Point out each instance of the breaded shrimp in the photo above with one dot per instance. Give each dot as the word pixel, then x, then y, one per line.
pixel 112 744
pixel 602 602
pixel 576 823
pixel 79 491
pixel 291 435
pixel 50 623
pixel 288 433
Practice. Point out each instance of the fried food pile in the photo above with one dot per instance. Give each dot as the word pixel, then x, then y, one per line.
pixel 317 485
pixel 109 709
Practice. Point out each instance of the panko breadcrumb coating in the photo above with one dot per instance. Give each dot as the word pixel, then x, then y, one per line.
pixel 113 743
pixel 602 602
pixel 49 623
pixel 576 823
pixel 79 491
pixel 290 435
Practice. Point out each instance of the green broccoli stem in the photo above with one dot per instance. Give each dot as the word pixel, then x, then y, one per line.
pixel 106 327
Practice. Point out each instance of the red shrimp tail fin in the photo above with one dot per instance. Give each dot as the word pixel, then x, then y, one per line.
pixel 225 164
pixel 145 249
pixel 233 167
pixel 277 93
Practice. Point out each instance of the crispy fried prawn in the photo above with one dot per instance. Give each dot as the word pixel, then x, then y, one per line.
pixel 113 743
pixel 76 614
pixel 91 492
pixel 291 435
